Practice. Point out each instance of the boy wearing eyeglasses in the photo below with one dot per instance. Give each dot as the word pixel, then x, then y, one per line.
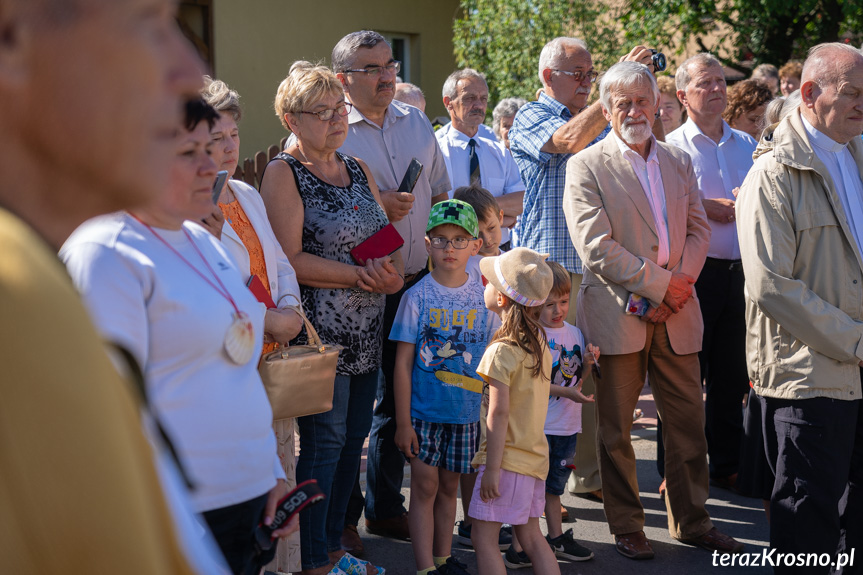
pixel 442 328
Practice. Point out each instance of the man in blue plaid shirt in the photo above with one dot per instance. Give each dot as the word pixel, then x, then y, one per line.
pixel 545 134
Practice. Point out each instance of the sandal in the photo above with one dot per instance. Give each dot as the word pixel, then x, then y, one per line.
pixel 353 566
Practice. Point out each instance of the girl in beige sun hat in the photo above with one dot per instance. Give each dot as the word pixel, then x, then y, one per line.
pixel 513 455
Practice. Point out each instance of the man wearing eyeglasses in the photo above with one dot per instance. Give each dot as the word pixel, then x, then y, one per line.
pixel 387 134
pixel 472 153
pixel 544 135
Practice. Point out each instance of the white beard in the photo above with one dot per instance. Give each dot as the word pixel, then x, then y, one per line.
pixel 635 134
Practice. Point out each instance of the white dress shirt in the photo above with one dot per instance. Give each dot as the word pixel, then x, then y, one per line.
pixel 650 177
pixel 498 171
pixel 845 175
pixel 719 169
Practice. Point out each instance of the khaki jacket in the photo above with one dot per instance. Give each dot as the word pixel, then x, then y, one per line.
pixel 612 228
pixel 804 273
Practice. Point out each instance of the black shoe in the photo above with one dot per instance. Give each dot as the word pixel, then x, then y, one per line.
pixel 516 559
pixel 453 567
pixel 462 536
pixel 566 547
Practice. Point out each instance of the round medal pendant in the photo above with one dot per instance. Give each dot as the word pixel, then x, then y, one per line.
pixel 240 339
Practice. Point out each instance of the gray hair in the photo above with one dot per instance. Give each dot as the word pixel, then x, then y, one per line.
pixel 450 85
pixel 626 74
pixel 702 60
pixel 217 94
pixel 780 107
pixel 765 72
pixel 822 65
pixel 409 94
pixel 506 108
pixel 344 51
pixel 554 51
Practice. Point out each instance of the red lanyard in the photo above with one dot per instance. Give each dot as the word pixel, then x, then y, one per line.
pixel 223 291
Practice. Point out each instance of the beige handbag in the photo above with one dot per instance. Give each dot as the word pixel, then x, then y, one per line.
pixel 299 379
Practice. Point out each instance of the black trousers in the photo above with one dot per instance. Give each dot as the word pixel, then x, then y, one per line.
pixel 815 448
pixel 723 361
pixel 233 529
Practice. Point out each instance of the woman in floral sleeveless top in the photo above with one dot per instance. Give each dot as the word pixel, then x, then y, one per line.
pixel 321 205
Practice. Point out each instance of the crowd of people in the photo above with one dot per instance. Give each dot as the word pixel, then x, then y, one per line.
pixel 699 238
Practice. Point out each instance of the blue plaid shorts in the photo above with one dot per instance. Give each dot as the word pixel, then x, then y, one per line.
pixel 448 445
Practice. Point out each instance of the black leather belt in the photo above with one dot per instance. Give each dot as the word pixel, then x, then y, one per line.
pixel 730 265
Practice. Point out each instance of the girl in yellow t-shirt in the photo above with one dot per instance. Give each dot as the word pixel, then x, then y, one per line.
pixel 513 455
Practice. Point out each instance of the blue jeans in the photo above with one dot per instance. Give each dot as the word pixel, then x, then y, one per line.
pixel 331 446
pixel 561 449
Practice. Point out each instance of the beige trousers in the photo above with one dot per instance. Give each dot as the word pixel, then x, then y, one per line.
pixel 676 385
pixel 585 478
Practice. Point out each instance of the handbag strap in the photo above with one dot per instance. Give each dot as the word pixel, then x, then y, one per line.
pixel 311 332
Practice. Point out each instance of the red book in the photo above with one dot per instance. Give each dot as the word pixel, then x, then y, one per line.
pixel 383 242
pixel 257 287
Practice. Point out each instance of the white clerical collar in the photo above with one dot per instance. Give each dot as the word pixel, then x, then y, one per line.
pixel 821 139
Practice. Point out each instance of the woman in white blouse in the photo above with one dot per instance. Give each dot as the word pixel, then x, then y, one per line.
pixel 246 232
pixel 163 288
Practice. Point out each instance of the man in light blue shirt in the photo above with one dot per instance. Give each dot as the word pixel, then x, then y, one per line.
pixel 471 153
pixel 721 157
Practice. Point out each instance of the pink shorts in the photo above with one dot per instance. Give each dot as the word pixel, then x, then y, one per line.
pixel 521 497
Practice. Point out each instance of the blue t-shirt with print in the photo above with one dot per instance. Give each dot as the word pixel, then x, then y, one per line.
pixel 451 328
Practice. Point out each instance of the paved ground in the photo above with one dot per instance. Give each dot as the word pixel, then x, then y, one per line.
pixel 738 516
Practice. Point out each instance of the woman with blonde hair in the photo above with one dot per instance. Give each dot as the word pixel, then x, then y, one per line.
pixel 321 205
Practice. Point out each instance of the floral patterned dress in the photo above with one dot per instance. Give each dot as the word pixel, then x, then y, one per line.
pixel 337 219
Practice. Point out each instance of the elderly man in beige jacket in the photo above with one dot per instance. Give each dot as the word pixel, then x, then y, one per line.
pixel 800 223
pixel 634 213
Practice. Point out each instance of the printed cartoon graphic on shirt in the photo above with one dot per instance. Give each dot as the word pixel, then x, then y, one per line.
pixel 450 328
pixel 566 365
pixel 444 351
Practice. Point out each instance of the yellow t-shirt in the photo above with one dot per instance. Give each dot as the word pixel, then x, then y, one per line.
pixel 526 449
pixel 78 488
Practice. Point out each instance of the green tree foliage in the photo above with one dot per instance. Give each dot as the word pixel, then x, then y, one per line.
pixel 503 38
pixel 771 31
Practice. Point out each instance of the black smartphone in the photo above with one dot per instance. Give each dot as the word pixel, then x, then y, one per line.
pixel 303 495
pixel 411 176
pixel 217 186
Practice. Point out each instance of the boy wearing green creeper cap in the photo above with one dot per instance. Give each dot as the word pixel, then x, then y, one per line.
pixel 442 328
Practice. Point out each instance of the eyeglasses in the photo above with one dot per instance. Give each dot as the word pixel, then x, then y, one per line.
pixel 342 110
pixel 484 280
pixel 580 76
pixel 375 71
pixel 458 243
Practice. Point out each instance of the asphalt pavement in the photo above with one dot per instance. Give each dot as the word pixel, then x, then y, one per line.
pixel 738 516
